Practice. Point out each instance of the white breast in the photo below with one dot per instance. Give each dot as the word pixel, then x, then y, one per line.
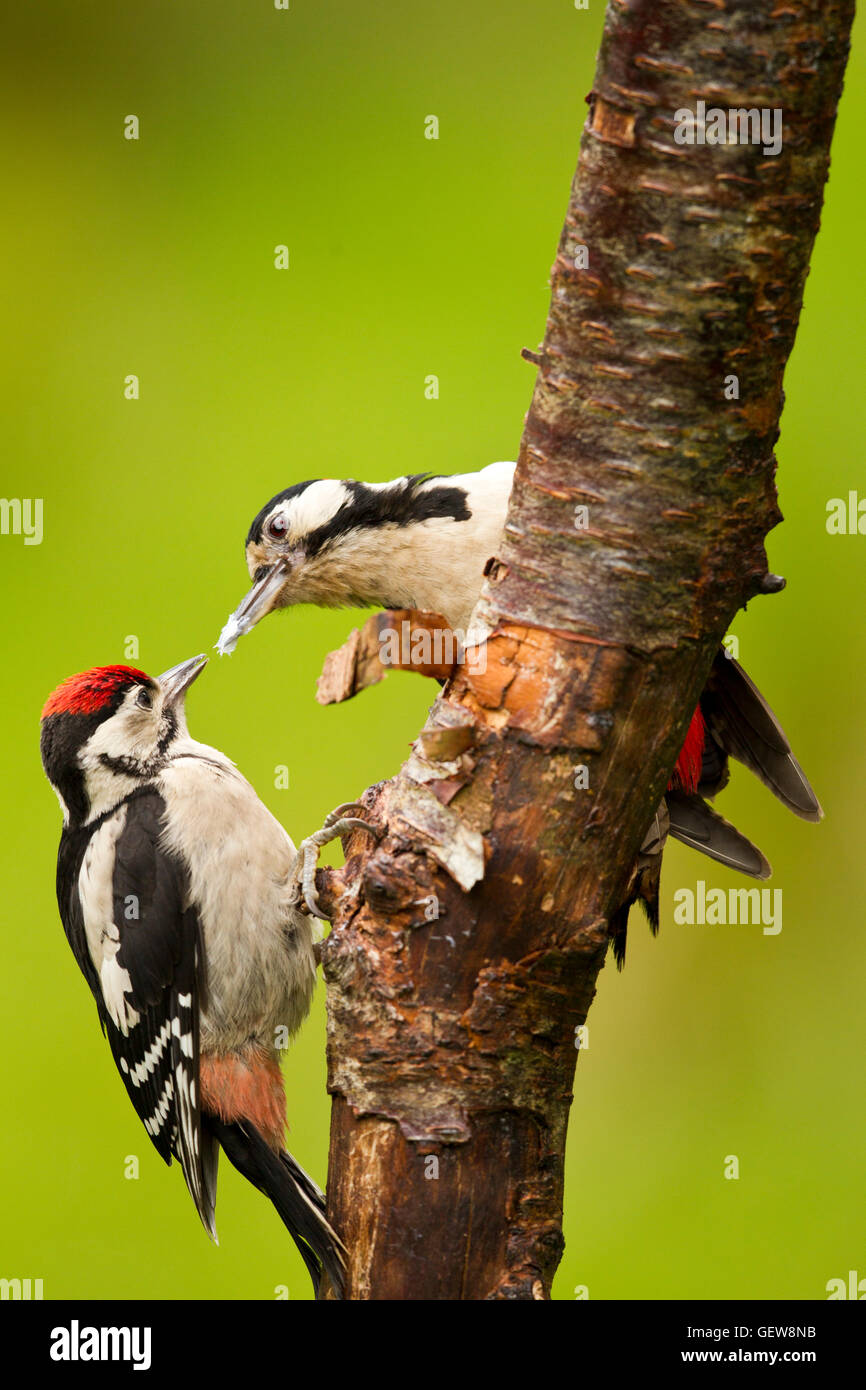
pixel 260 967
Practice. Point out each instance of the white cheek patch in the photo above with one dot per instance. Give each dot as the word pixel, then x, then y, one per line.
pixel 104 787
pixel 131 732
pixel 316 505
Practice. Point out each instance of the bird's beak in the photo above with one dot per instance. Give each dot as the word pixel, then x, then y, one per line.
pixel 175 682
pixel 261 598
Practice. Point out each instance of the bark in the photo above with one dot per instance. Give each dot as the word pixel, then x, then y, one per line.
pixel 467 939
pixel 357 664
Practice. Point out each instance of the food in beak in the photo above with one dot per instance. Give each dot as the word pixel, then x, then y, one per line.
pixel 258 602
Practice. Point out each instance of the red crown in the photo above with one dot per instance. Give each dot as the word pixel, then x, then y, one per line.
pixel 90 691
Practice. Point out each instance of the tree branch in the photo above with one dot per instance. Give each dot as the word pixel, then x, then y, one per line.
pixel 467 941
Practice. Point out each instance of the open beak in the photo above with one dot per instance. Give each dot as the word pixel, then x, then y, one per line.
pixel 258 603
pixel 175 682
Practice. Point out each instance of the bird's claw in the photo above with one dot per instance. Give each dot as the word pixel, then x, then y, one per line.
pixel 335 825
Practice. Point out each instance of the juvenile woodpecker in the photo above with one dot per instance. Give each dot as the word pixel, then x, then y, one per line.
pixel 177 889
pixel 423 542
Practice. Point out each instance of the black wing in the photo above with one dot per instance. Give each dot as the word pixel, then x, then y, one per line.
pixel 148 998
pixel 694 822
pixel 743 725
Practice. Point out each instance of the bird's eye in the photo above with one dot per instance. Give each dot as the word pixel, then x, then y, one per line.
pixel 144 699
pixel 277 527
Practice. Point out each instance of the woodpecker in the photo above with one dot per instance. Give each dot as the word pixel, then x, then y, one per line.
pixel 416 542
pixel 423 542
pixel 178 891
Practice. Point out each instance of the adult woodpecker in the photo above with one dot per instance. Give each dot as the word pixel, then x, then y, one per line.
pixel 177 889
pixel 423 542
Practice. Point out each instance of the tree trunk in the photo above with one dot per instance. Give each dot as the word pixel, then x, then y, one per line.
pixel 468 939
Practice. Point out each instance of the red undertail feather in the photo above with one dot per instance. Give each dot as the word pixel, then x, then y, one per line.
pixel 687 773
pixel 247 1086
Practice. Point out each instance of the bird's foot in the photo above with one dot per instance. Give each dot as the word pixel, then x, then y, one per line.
pixel 337 824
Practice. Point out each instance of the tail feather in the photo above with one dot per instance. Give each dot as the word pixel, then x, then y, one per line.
pixel 210 1157
pixel 697 825
pixel 737 722
pixel 617 930
pixel 741 721
pixel 299 1202
pixel 643 885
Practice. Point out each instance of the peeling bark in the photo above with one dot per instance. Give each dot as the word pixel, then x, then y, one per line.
pixel 468 939
pixel 357 664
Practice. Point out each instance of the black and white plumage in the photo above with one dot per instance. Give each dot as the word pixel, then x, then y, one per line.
pixel 417 542
pixel 178 892
pixel 424 543
pixel 122 904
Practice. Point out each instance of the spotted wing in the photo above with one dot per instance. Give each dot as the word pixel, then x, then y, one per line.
pixel 145 961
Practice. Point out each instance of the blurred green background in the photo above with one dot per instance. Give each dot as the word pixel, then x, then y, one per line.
pixel 408 257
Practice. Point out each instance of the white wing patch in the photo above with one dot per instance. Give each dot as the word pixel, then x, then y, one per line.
pixel 96 894
pixel 116 985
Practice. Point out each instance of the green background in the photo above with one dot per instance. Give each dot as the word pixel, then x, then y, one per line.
pixel 408 257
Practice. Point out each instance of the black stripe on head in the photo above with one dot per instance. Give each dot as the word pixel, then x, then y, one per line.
pixel 255 531
pixel 60 739
pixel 400 504
pixel 403 504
